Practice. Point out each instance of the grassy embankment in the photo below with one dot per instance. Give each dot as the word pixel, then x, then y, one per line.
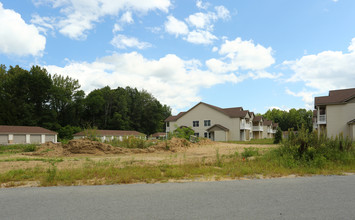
pixel 305 154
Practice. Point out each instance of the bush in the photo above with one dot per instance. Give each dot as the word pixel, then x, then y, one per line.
pixel 278 136
pixel 67 132
pixel 250 152
pixel 308 149
pixel 183 132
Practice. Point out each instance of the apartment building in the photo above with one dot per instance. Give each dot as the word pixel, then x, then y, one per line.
pixel 335 113
pixel 218 124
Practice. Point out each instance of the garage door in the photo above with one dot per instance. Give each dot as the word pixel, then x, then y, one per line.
pixel 4 138
pixel 49 138
pixel 35 139
pixel 19 138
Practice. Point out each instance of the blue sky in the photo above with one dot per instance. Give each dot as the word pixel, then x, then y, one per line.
pixel 255 54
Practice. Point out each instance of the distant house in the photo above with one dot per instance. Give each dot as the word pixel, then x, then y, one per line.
pixel 218 124
pixel 107 135
pixel 158 135
pixel 336 113
pixel 258 128
pixel 26 135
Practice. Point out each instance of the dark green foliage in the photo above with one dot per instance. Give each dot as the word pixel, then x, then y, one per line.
pixel 291 119
pixel 36 98
pixel 183 132
pixel 278 136
pixel 66 133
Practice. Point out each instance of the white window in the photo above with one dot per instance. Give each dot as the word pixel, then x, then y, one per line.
pixel 195 123
pixel 197 134
pixel 207 123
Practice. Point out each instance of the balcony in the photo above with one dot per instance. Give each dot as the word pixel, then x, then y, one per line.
pixel 322 119
pixel 258 128
pixel 244 125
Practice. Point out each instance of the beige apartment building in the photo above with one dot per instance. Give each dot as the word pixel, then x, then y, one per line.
pixel 218 124
pixel 335 113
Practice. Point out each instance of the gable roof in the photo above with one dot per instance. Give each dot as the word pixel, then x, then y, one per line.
pixel 7 129
pixel 335 97
pixel 351 122
pixel 267 122
pixel 275 125
pixel 258 118
pixel 236 112
pixel 218 126
pixel 112 132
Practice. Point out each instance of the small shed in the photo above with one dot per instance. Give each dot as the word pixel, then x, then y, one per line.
pixel 107 135
pixel 26 135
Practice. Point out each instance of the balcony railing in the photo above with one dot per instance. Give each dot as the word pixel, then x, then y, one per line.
pixel 245 126
pixel 322 119
pixel 258 128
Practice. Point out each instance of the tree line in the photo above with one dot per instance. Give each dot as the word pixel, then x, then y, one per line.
pixel 55 102
pixel 292 119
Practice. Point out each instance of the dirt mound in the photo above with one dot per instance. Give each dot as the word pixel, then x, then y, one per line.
pixel 174 145
pixel 86 146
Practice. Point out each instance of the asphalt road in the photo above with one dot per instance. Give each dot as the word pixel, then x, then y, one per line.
pixel 320 197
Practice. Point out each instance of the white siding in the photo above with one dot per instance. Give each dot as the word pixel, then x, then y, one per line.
pixel 4 139
pixel 19 139
pixel 35 139
pixel 49 138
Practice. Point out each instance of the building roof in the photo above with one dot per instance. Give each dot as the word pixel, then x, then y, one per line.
pixel 218 126
pixel 236 112
pixel 267 122
pixel 335 97
pixel 258 118
pixel 159 134
pixel 7 129
pixel 351 122
pixel 275 125
pixel 112 132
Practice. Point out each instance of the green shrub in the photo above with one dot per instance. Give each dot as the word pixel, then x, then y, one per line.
pixel 182 132
pixel 29 148
pixel 250 152
pixel 278 136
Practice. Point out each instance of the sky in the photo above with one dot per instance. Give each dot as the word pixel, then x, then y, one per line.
pixel 257 54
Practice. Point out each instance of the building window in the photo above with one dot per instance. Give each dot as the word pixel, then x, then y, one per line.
pixel 167 124
pixel 197 134
pixel 195 123
pixel 207 123
pixel 206 134
pixel 209 135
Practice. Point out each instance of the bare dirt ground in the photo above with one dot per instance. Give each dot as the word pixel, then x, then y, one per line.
pixel 77 152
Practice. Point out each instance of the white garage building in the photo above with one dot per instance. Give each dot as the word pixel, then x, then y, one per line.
pixel 26 135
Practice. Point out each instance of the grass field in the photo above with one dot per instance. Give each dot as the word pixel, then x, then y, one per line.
pixel 223 161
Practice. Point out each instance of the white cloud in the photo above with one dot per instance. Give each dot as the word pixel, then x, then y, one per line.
pixel 173 81
pixel 307 97
pixel 127 18
pixel 283 108
pixel 202 25
pixel 326 70
pixel 175 26
pixel 122 42
pixel 43 24
pixel 239 54
pixel 200 37
pixel 202 5
pixel 222 12
pixel 79 16
pixel 201 20
pixel 17 37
